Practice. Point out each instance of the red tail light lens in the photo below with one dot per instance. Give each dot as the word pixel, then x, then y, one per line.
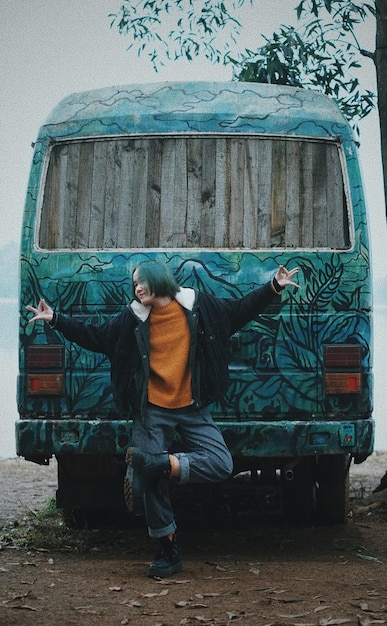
pixel 342 383
pixel 45 384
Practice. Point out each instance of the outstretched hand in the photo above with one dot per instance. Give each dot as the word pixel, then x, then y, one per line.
pixel 284 277
pixel 43 312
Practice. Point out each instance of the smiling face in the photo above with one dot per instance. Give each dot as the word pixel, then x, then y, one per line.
pixel 154 284
pixel 142 293
pixel 141 290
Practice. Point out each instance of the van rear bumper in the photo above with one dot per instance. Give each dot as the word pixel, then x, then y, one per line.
pixel 39 439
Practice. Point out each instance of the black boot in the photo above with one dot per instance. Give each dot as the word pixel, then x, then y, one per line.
pixel 167 561
pixel 142 469
pixel 150 466
pixel 133 491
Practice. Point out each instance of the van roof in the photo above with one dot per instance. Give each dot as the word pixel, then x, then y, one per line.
pixel 193 107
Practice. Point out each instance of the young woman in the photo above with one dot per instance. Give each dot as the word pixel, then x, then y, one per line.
pixel 168 355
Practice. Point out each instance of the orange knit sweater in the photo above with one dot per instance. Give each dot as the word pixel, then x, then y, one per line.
pixel 170 377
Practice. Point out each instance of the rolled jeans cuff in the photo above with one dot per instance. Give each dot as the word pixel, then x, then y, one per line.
pixel 184 467
pixel 162 532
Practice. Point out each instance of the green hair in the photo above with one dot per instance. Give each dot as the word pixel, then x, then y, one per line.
pixel 159 278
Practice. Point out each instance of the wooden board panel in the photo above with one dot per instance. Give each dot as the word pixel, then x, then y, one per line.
pixel 86 158
pixel 152 225
pixel 208 192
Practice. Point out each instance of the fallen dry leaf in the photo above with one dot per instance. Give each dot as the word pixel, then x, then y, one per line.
pixel 22 596
pixel 367 557
pixel 322 608
pixel 181 603
pixel 366 621
pixel 27 607
pixel 295 616
pixel 232 616
pixel 254 570
pixel 164 592
pixel 171 581
pixel 331 621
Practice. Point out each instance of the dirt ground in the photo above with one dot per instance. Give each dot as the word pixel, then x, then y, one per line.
pixel 247 569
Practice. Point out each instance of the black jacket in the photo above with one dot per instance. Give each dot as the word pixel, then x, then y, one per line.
pixel 125 340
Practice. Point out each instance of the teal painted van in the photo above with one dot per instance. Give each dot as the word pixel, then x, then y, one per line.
pixel 223 182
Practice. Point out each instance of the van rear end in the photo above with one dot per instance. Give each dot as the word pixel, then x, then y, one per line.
pixel 224 182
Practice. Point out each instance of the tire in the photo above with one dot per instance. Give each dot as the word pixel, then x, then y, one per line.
pixel 297 494
pixel 89 487
pixel 332 489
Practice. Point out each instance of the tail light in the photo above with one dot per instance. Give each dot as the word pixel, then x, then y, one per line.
pixel 342 368
pixel 45 370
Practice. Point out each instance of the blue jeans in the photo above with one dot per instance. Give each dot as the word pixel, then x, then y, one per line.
pixel 206 457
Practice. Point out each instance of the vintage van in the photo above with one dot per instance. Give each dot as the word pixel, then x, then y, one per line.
pixel 224 182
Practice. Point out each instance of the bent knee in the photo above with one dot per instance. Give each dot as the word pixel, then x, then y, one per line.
pixel 225 468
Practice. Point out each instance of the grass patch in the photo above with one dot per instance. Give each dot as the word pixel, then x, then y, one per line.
pixel 48 530
pixel 45 529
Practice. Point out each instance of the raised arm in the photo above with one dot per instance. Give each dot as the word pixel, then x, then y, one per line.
pixel 94 337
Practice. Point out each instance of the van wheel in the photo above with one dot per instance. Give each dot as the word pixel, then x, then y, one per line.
pixel 297 494
pixel 332 489
pixel 88 486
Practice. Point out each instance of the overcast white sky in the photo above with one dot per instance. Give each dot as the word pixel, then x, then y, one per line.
pixel 50 48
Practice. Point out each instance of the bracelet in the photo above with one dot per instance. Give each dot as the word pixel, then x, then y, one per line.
pixel 276 287
pixel 53 321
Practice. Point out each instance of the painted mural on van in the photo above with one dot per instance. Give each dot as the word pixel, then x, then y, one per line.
pixel 224 182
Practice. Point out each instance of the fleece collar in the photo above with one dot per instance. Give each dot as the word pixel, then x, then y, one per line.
pixel 185 297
